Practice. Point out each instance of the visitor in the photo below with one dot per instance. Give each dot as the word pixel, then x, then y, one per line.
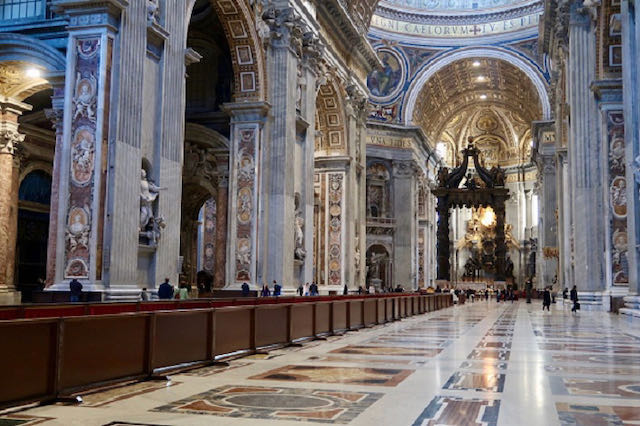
pixel 399 289
pixel 565 293
pixel 143 295
pixel 246 291
pixel 574 299
pixel 546 299
pixel 76 290
pixel 372 289
pixel 277 288
pixel 183 292
pixel 345 291
pixel 300 290
pixel 165 291
pixel 265 291
pixel 306 289
pixel 438 289
pixel 313 289
pixel 360 290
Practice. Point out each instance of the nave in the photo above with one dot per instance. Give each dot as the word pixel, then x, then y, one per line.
pixel 481 363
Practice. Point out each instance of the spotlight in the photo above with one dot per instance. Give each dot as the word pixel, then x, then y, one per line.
pixel 476 64
pixel 33 73
pixel 483 97
pixel 481 78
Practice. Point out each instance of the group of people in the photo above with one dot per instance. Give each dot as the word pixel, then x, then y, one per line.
pixel 166 291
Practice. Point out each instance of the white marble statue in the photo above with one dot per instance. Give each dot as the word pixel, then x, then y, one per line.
pixel 148 194
pixel 300 253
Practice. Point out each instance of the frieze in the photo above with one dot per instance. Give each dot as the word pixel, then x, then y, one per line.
pixel 389 141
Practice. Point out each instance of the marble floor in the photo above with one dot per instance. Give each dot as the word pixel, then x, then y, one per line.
pixel 479 364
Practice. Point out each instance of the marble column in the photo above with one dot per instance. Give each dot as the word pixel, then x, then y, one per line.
pixel 84 146
pixel 548 232
pixel 630 16
pixel 276 243
pixel 222 209
pixel 10 139
pixel 565 277
pixel 247 133
pixel 585 157
pixel 404 239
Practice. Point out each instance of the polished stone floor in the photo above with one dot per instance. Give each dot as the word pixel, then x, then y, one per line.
pixel 479 364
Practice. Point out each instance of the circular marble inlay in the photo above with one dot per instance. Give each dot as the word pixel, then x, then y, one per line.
pixel 278 401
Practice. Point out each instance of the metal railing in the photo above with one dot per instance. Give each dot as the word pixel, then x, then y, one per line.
pixel 12 11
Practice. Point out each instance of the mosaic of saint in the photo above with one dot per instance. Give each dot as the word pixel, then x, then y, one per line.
pixel 385 81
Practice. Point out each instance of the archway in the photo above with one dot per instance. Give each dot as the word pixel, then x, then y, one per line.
pixel 379 271
pixel 34 200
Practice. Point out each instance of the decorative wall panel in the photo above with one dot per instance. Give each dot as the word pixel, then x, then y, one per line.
pixel 617 184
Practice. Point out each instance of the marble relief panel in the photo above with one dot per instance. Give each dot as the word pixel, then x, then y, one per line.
pixel 209 236
pixel 335 225
pixel 83 157
pixel 246 200
pixel 618 198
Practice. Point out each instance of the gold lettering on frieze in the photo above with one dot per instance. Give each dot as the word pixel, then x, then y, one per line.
pixel 389 141
pixel 456 31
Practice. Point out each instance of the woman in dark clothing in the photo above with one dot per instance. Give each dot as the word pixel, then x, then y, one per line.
pixel 265 291
pixel 546 299
pixel 574 298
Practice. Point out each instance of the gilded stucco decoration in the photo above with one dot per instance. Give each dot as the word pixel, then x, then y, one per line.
pixel 14 82
pixel 330 119
pixel 494 102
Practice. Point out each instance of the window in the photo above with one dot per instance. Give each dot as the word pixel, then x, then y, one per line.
pixel 22 9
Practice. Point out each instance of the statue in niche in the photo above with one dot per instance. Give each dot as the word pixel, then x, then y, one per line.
pixel 153 10
pixel 153 230
pixel 299 253
pixel 148 194
pixel 356 253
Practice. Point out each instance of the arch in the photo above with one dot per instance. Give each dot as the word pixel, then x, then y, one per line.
pixel 35 166
pixel 205 136
pixel 18 47
pixel 247 55
pixel 475 52
pixel 330 119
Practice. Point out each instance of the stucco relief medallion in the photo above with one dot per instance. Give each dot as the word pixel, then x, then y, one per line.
pixel 618 193
pixel 82 156
pixel 244 205
pixel 88 48
pixel 84 101
pixel 617 151
pixel 76 268
pixel 78 227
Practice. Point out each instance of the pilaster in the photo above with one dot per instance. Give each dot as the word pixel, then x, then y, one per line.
pixel 404 186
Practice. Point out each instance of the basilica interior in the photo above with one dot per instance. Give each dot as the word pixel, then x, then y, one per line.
pixel 408 157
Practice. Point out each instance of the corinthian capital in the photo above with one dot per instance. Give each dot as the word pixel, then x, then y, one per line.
pixel 10 138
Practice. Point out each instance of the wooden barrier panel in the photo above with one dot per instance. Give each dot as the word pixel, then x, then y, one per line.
pixel 381 311
pixel 388 313
pixel 29 358
pixel 355 314
pixel 99 349
pixel 369 314
pixel 322 318
pixel 339 316
pixel 180 337
pixel 234 330
pixel 272 324
pixel 302 320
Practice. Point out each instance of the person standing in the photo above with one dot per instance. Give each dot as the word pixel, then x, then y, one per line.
pixel 245 290
pixel 345 291
pixel 565 293
pixel 306 289
pixel 277 288
pixel 165 291
pixel 183 292
pixel 143 295
pixel 313 290
pixel 300 290
pixel 76 290
pixel 265 291
pixel 574 298
pixel 546 299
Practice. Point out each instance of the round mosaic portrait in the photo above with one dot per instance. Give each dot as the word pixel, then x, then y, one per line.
pixel 386 82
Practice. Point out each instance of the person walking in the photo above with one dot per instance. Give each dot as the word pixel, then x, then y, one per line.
pixel 277 288
pixel 165 291
pixel 574 298
pixel 265 291
pixel 546 299
pixel 75 287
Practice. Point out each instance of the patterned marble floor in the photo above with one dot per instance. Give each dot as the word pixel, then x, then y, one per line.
pixel 479 364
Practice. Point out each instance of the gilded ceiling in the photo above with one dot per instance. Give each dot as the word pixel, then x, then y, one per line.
pixel 16 83
pixel 491 100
